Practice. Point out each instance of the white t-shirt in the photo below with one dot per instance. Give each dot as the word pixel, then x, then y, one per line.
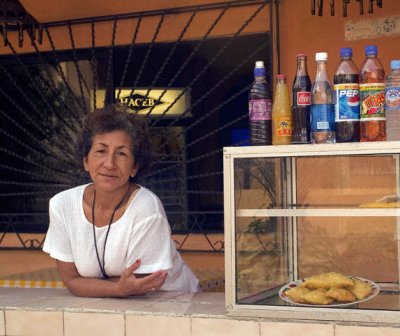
pixel 142 232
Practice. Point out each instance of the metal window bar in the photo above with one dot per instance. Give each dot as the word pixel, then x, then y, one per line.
pixel 55 123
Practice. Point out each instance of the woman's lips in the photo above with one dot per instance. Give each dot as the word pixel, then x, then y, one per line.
pixel 108 176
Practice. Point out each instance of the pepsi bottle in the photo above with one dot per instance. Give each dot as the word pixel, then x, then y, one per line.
pixel 347 99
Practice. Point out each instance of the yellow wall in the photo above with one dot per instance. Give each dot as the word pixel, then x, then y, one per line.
pixel 302 32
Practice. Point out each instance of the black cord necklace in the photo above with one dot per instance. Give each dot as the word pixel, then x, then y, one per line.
pixel 102 265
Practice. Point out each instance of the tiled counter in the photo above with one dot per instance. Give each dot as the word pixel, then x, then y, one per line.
pixel 55 312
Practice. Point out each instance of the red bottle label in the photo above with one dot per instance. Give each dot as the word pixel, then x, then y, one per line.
pixel 303 98
pixel 260 109
pixel 284 127
pixel 372 100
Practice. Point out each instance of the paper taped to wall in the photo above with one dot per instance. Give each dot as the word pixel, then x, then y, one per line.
pixel 366 29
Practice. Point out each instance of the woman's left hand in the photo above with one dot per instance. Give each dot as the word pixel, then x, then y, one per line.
pixel 130 284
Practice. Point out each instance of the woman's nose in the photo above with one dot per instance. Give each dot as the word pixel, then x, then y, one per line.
pixel 109 161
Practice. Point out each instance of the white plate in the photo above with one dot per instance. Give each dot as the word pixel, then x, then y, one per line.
pixel 374 292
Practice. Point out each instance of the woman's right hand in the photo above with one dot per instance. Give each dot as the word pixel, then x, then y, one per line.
pixel 130 284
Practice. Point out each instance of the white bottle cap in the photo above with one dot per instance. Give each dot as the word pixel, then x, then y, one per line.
pixel 260 64
pixel 321 56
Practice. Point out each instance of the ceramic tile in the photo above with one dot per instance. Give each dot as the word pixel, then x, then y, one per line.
pixel 157 325
pixel 2 324
pixel 89 324
pixel 33 323
pixel 176 308
pixel 298 329
pixel 341 330
pixel 14 301
pixel 207 309
pixel 218 327
pixel 35 292
pixel 44 292
pixel 203 297
pixel 55 302
pixel 162 296
pixel 7 291
pixel 111 305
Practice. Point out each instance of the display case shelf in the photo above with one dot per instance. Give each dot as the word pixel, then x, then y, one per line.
pixel 322 212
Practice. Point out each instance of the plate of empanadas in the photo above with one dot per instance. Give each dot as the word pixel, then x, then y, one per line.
pixel 329 290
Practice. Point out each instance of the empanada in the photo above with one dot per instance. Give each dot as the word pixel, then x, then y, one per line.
pixel 328 280
pixel 296 294
pixel 341 294
pixel 360 289
pixel 317 297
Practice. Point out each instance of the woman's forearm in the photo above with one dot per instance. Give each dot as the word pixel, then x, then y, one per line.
pixel 94 287
pixel 125 285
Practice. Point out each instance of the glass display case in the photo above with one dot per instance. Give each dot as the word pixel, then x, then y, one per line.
pixel 298 215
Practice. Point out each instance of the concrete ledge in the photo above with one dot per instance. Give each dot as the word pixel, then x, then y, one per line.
pixel 55 312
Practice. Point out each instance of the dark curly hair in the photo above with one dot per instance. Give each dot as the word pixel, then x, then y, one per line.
pixel 115 118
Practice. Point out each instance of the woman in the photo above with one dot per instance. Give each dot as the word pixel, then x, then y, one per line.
pixel 111 238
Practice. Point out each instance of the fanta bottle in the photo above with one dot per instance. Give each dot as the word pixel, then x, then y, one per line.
pixel 281 114
pixel 372 97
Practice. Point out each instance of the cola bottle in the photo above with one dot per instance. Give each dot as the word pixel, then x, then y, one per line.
pixel 346 90
pixel 301 102
pixel 322 106
pixel 260 106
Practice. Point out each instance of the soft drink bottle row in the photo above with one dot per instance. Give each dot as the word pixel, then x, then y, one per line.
pixel 360 106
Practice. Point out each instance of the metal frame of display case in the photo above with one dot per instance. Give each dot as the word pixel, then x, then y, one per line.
pixel 291 152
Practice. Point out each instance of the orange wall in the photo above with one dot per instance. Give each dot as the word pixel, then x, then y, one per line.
pixel 302 32
pixel 299 30
pixel 49 11
pixel 61 10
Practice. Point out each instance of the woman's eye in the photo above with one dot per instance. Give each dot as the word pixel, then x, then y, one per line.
pixel 122 154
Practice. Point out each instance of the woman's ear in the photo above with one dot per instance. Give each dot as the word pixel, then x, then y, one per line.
pixel 85 163
pixel 134 170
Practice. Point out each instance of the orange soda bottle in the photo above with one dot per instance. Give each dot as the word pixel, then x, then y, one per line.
pixel 372 97
pixel 281 114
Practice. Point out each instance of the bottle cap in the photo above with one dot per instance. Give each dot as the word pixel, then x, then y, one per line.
pixel 301 55
pixel 321 56
pixel 259 69
pixel 280 76
pixel 395 64
pixel 371 50
pixel 346 52
pixel 260 64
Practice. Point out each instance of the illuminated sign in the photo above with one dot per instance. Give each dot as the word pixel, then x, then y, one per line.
pixel 156 102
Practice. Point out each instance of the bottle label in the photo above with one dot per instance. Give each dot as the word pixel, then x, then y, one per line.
pixel 392 98
pixel 347 100
pixel 322 117
pixel 303 98
pixel 372 99
pixel 284 128
pixel 260 109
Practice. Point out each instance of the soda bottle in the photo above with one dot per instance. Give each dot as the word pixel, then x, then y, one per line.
pixel 372 97
pixel 347 99
pixel 301 101
pixel 260 105
pixel 392 102
pixel 322 107
pixel 281 114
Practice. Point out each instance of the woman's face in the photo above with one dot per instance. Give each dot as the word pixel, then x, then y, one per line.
pixel 110 161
